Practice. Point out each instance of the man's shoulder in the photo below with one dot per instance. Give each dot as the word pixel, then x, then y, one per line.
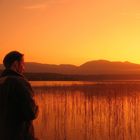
pixel 2 80
pixel 14 80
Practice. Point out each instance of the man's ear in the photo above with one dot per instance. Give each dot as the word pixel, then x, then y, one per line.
pixel 15 65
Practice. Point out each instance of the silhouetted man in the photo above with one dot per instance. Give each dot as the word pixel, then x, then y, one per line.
pixel 17 106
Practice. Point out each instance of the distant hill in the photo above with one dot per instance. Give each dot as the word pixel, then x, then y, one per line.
pixel 89 68
pixel 50 68
pixel 107 67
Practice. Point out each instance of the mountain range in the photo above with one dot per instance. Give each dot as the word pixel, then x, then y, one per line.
pixel 95 67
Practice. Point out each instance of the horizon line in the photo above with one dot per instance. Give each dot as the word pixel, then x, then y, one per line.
pixel 81 63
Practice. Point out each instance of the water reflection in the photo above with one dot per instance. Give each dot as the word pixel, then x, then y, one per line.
pixel 99 112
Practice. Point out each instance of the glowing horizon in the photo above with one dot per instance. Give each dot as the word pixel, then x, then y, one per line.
pixel 71 31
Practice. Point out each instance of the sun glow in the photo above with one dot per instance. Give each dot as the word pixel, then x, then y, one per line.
pixel 71 31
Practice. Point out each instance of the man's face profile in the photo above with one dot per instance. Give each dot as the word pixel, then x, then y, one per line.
pixel 21 66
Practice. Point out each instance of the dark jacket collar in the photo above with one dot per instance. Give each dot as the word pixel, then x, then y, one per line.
pixel 9 72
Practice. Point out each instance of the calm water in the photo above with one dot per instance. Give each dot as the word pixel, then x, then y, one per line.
pixel 88 110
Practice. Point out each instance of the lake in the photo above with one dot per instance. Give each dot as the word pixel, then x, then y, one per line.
pixel 88 110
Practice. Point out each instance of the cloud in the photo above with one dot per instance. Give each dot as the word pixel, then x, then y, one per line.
pixel 37 6
pixel 44 4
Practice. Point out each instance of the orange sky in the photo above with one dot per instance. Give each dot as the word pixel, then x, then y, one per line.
pixel 71 31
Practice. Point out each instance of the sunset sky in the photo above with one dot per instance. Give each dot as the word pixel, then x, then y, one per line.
pixel 71 31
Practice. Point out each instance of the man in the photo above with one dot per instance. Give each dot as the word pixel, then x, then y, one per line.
pixel 17 106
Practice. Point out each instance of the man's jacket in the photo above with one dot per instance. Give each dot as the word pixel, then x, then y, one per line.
pixel 17 107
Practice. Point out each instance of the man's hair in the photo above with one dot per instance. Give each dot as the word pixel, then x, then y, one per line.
pixel 12 57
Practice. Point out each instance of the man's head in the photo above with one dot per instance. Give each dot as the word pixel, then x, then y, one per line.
pixel 14 60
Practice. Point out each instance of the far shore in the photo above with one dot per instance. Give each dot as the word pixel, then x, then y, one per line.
pixel 64 77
